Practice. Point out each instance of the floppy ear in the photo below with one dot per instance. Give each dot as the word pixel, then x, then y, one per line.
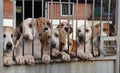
pixel 112 29
pixel 20 28
pixel 97 26
pixel 38 26
pixel 71 29
pixel 95 31
pixel 63 34
pixel 48 23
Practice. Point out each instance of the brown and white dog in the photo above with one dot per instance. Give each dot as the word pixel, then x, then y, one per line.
pixel 58 40
pixel 66 26
pixel 9 39
pixel 84 36
pixel 108 30
pixel 31 33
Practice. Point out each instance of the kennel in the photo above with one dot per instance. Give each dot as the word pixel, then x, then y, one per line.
pixel 104 64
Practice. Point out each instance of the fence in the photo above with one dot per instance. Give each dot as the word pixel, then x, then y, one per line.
pixel 69 11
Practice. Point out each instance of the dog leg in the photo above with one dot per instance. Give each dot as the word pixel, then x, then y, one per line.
pixel 65 56
pixel 46 58
pixel 29 59
pixel 55 52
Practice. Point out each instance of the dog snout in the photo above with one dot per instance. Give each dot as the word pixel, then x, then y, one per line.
pixel 45 29
pixel 81 38
pixel 53 45
pixel 26 36
pixel 9 45
pixel 66 29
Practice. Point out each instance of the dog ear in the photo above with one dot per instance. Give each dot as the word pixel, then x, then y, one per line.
pixel 38 26
pixel 112 29
pixel 20 28
pixel 48 23
pixel 63 34
pixel 95 31
pixel 71 29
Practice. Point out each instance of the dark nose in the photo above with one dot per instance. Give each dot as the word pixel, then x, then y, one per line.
pixel 66 29
pixel 9 45
pixel 26 36
pixel 53 45
pixel 45 29
pixel 81 38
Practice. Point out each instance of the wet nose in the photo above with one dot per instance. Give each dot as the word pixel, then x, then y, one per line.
pixel 9 45
pixel 25 36
pixel 45 29
pixel 98 38
pixel 66 29
pixel 81 38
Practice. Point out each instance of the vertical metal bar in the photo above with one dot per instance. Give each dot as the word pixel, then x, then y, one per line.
pixel 14 18
pixel 85 13
pixel 33 27
pixel 23 8
pixel 101 28
pixel 76 22
pixel 93 23
pixel 60 19
pixel 51 16
pixel 1 32
pixel 42 33
pixel 68 21
pixel 117 22
pixel 109 15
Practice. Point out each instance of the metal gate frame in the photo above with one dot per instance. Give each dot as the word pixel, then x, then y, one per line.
pixel 117 21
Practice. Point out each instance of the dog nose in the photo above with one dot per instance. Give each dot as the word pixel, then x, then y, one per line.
pixel 53 45
pixel 45 29
pixel 81 38
pixel 66 29
pixel 9 45
pixel 25 36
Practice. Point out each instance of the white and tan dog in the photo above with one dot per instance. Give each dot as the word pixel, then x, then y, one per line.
pixel 84 36
pixel 30 34
pixel 59 40
pixel 9 39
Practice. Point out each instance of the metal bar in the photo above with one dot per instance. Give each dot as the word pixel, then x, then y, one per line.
pixel 85 13
pixel 117 22
pixel 1 32
pixel 60 21
pixel 33 27
pixel 68 22
pixel 93 23
pixel 23 8
pixel 101 28
pixel 76 23
pixel 14 18
pixel 42 33
pixel 109 15
pixel 51 16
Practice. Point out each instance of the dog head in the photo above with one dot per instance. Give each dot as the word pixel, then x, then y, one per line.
pixel 59 39
pixel 67 27
pixel 108 29
pixel 84 33
pixel 38 25
pixel 8 34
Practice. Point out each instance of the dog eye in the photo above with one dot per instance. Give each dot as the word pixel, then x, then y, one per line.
pixel 104 29
pixel 70 43
pixel 56 35
pixel 12 35
pixel 48 36
pixel 30 25
pixel 79 30
pixel 4 35
pixel 63 44
pixel 87 30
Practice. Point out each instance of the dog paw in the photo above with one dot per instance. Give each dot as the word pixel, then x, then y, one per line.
pixel 29 59
pixel 20 60
pixel 8 61
pixel 95 53
pixel 88 56
pixel 72 54
pixel 55 52
pixel 65 56
pixel 46 58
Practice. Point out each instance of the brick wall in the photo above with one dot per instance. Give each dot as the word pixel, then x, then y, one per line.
pixel 56 11
pixel 7 9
